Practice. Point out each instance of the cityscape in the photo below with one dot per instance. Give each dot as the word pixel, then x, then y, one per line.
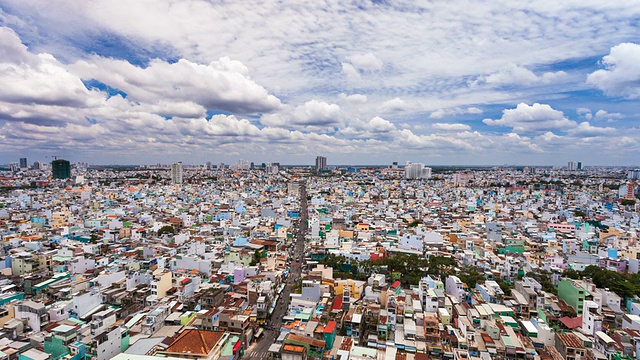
pixel 318 261
pixel 319 180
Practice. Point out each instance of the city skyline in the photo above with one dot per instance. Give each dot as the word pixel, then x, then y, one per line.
pixel 540 83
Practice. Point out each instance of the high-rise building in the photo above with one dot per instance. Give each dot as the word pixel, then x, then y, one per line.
pixel 321 163
pixel 271 168
pixel 571 166
pixel 579 165
pixel 176 173
pixel 416 171
pixel 630 191
pixel 23 163
pixel 61 169
pixel 634 174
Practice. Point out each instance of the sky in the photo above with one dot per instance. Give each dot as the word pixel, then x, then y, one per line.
pixel 359 82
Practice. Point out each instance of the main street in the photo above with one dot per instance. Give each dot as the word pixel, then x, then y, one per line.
pixel 271 333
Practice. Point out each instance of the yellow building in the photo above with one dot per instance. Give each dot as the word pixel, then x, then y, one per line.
pixel 60 218
pixel 162 282
pixel 355 287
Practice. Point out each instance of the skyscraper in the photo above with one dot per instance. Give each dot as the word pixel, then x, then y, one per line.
pixel 416 171
pixel 579 165
pixel 60 169
pixel 571 166
pixel 23 163
pixel 176 173
pixel 321 163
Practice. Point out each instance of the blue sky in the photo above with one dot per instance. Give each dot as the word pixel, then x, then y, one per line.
pixel 361 82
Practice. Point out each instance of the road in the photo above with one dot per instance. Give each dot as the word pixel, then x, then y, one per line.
pixel 261 349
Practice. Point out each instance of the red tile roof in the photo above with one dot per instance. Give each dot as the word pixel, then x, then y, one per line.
pixel 571 323
pixel 337 303
pixel 331 327
pixel 194 341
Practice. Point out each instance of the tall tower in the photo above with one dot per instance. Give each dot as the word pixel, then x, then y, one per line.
pixel 321 163
pixel 23 163
pixel 60 169
pixel 176 173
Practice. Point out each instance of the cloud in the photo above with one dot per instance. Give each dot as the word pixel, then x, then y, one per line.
pixel 365 62
pixel 221 85
pixel 350 72
pixel 536 118
pixel 451 127
pixel 395 104
pixel 36 79
pixel 584 112
pixel 439 114
pixel 516 75
pixel 621 73
pixel 355 98
pixel 585 129
pixel 603 114
pixel 313 114
pixel 405 63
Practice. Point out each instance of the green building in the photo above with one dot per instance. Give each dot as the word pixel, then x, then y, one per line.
pixel 61 169
pixel 60 342
pixel 573 293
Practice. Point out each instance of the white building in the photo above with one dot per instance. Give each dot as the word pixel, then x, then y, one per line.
pixel 416 171
pixel 176 173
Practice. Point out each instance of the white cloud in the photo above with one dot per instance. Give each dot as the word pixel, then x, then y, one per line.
pixel 32 79
pixel 440 113
pixel 395 104
pixel 365 62
pixel 355 98
pixel 516 75
pixel 584 112
pixel 221 85
pixel 316 112
pixel 603 114
pixel 534 118
pixel 585 129
pixel 313 114
pixel 621 73
pixel 451 127
pixel 350 72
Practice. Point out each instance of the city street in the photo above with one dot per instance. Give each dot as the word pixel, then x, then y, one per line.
pixel 260 349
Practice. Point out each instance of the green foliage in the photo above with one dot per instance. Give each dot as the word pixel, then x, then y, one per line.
pixel 580 213
pixel 256 258
pixel 412 267
pixel 572 274
pixel 626 202
pixel 544 278
pixel 624 285
pixel 471 276
pixel 167 229
pixel 505 286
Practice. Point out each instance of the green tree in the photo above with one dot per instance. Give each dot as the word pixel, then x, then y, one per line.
pixel 167 229
pixel 471 276
pixel 505 286
pixel 256 258
pixel 572 274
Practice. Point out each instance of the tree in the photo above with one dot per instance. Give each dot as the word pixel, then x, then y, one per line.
pixel 256 258
pixel 167 229
pixel 505 286
pixel 572 274
pixel 471 276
